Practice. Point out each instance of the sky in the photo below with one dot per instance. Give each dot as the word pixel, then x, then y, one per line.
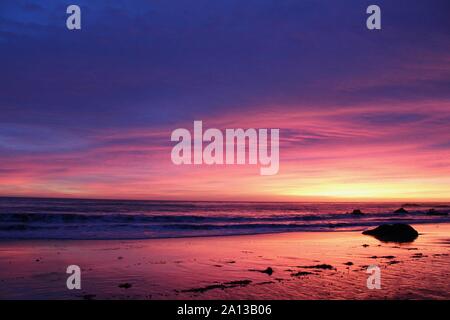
pixel 363 115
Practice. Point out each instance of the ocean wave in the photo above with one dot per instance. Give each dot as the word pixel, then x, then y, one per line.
pixel 90 219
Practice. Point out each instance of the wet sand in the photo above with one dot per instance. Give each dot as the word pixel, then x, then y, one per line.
pixel 306 265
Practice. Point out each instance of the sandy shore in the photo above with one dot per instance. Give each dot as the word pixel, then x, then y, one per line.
pixel 308 265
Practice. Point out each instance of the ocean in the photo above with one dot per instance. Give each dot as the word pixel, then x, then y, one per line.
pixel 37 218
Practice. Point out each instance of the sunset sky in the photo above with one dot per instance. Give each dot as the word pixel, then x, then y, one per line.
pixel 363 115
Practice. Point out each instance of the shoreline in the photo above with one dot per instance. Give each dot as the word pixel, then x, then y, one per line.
pixel 305 265
pixel 330 230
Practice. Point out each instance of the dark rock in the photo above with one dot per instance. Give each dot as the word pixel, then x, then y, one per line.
pixel 319 266
pixel 348 263
pixel 301 274
pixel 382 257
pixel 125 285
pixel 411 205
pixel 223 286
pixel 397 232
pixel 401 210
pixel 433 212
pixel 268 270
pixel 239 282
pixel 264 282
pixel 357 212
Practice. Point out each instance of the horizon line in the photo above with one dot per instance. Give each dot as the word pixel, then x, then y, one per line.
pixel 405 201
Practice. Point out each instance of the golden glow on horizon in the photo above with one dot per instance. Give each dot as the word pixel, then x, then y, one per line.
pixel 388 190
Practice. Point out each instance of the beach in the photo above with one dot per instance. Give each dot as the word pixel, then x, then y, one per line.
pixel 291 265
